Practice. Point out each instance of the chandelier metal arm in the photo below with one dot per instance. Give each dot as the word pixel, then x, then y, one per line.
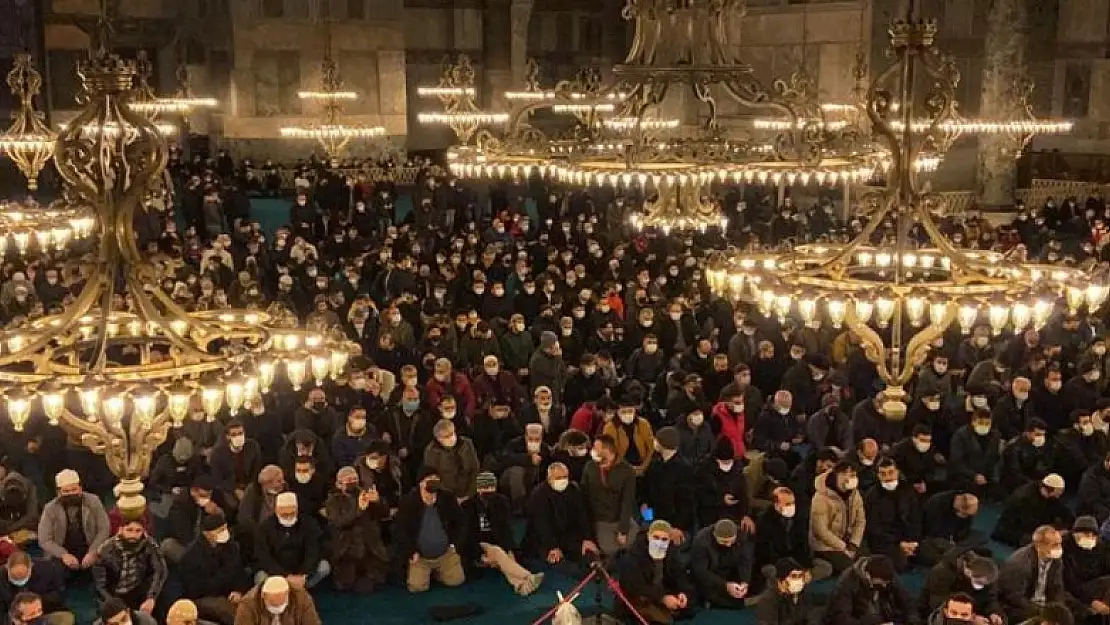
pixel 100 348
pixel 837 266
pixel 150 311
pixel 95 435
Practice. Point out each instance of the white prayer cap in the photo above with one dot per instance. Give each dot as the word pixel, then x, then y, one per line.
pixel 286 499
pixel 68 477
pixel 275 584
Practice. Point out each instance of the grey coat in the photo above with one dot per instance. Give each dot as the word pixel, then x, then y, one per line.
pixel 52 525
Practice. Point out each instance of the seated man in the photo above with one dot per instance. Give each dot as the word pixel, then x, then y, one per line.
pixel 893 512
pixel 45 578
pixel 1028 458
pixel 837 521
pixel 212 571
pixel 426 531
pixel 1087 566
pixel 1094 490
pixel 782 535
pixel 289 544
pixel 870 593
pixel 277 601
pixel 185 514
pixel 947 523
pixel 115 612
pixel 258 503
pixel 721 565
pixel 917 460
pixel 786 602
pixel 359 557
pixel 968 573
pixel 1033 576
pixel 957 609
pixel 1030 506
pixel 27 609
pixel 523 462
pixel 655 580
pixel 488 536
pixel 74 524
pixel 19 505
pixel 130 567
pixel 559 531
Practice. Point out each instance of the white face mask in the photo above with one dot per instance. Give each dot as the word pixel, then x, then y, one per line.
pixel 783 410
pixel 1038 441
pixel 851 483
pixel 595 455
pixel 560 485
pixel 237 442
pixel 1094 376
pixel 696 420
pixel 627 418
pixel 866 462
pixel 287 522
pixel 725 466
pixel 1021 395
pixel 982 430
pixel 533 447
pixel 795 586
pixel 922 447
pixel 1086 542
pixel 788 511
pixel 890 485
pixel 223 537
pixel 303 478
pixel 979 401
pixel 277 609
pixel 933 405
pixel 1087 429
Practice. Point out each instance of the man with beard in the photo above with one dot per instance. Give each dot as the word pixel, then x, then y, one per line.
pixel 130 568
pixel 74 525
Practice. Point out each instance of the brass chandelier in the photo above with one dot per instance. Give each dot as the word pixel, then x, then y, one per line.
pixel 333 135
pixel 621 140
pixel 27 227
pixel 124 362
pixel 899 297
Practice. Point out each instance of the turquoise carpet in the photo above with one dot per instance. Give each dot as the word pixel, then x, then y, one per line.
pixel 394 605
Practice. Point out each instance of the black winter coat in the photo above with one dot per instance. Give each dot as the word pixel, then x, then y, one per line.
pixel 1094 493
pixel 556 521
pixel 208 570
pixel 293 550
pixel 668 488
pixel 892 516
pixel 1026 509
pixel 498 512
pixel 855 602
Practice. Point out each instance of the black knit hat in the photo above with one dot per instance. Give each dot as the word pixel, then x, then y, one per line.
pixel 724 450
pixel 212 522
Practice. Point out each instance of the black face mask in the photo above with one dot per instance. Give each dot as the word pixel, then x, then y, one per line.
pixel 70 500
pixel 319 405
pixel 432 486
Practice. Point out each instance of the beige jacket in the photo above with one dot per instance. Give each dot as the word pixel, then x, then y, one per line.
pixel 834 522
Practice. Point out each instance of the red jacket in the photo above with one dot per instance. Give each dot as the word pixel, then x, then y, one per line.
pixel 731 427
pixel 587 419
pixel 459 389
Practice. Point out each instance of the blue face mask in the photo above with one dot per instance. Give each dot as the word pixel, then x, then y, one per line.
pixel 657 548
pixel 410 406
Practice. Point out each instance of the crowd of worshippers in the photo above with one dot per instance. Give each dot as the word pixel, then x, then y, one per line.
pixel 584 383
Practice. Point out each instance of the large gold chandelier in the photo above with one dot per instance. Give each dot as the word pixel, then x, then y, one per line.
pixel 677 45
pixel 333 135
pixel 124 362
pixel 897 298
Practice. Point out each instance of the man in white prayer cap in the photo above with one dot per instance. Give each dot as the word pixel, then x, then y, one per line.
pixel 277 602
pixel 74 524
pixel 289 545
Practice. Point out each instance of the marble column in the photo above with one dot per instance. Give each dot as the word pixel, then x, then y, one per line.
pixel 1003 65
pixel 497 52
pixel 520 14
